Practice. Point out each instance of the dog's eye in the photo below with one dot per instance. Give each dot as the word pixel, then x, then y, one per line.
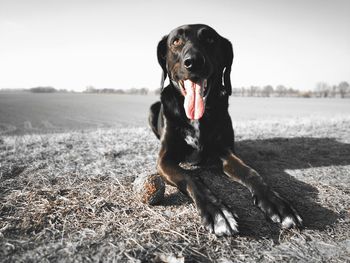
pixel 177 42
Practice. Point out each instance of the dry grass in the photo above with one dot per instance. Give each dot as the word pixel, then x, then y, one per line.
pixel 68 197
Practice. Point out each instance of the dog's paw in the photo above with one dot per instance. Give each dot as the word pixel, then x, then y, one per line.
pixel 277 209
pixel 219 220
pixel 216 217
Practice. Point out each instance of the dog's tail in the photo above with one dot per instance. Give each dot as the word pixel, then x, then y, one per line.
pixel 154 117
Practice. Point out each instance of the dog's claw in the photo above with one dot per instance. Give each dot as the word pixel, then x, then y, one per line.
pixel 218 220
pixel 288 222
pixel 276 218
pixel 221 227
pixel 207 223
pixel 278 209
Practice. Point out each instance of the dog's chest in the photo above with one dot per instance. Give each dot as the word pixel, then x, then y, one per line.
pixel 193 139
pixel 192 136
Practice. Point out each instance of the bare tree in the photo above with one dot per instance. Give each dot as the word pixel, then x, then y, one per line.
pixel 267 91
pixel 236 92
pixel 253 91
pixel 143 91
pixel 243 91
pixel 90 89
pixel 292 92
pixel 281 91
pixel 334 89
pixel 323 89
pixel 343 88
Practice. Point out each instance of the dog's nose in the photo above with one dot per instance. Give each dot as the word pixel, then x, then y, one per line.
pixel 194 61
pixel 188 62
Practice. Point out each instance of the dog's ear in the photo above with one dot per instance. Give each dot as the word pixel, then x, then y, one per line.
pixel 161 55
pixel 227 58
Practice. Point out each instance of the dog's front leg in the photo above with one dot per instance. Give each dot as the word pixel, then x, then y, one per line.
pixel 215 215
pixel 278 209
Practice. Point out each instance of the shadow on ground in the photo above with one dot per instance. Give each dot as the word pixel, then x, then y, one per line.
pixel 271 158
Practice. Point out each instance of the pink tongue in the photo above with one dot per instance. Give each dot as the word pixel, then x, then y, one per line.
pixel 193 104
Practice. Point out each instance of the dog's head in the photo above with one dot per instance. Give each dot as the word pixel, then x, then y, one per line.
pixel 196 59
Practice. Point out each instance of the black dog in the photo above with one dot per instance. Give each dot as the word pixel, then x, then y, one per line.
pixel 193 124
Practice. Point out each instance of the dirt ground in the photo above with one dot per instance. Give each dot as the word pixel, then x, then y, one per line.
pixel 67 197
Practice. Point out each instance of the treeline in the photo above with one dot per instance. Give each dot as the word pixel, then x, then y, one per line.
pixel 322 90
pixel 140 91
pixel 90 89
pixel 47 89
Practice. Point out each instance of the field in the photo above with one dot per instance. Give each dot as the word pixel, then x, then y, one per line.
pixel 67 163
pixel 25 113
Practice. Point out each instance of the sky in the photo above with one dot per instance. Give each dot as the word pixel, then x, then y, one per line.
pixel 112 44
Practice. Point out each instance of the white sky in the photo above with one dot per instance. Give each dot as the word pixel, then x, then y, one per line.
pixel 112 44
